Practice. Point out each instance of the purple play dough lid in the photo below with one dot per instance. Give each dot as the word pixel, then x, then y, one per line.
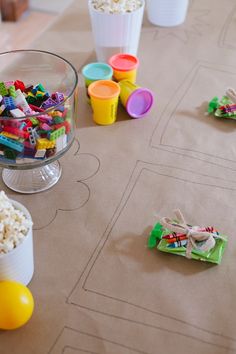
pixel 139 102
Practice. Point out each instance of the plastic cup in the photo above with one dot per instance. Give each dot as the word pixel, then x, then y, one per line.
pixel 18 264
pixel 104 101
pixel 124 67
pixel 115 33
pixel 167 13
pixel 137 100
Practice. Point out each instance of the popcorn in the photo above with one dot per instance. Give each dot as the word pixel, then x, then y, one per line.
pixel 14 225
pixel 116 6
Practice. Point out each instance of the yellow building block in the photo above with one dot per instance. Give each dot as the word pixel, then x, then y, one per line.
pixel 43 143
pixel 9 135
pixel 55 113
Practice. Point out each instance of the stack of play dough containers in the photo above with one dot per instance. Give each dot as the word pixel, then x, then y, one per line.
pixel 107 83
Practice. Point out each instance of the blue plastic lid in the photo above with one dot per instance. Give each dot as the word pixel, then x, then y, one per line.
pixel 97 71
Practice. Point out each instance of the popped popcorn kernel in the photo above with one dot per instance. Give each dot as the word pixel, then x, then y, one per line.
pixel 116 6
pixel 14 225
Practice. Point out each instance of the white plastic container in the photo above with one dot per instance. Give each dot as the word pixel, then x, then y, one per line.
pixel 115 33
pixel 18 264
pixel 167 13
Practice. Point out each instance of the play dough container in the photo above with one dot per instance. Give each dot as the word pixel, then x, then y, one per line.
pixel 104 101
pixel 124 67
pixel 137 100
pixel 96 71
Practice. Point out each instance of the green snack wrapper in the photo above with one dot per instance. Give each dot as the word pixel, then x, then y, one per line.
pixel 203 244
pixel 215 103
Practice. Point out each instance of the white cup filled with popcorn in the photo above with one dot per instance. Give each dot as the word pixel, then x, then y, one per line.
pixel 116 26
pixel 16 241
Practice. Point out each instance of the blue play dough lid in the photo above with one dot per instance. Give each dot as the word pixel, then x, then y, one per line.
pixel 97 71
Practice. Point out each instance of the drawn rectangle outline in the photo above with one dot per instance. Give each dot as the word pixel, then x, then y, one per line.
pixel 200 332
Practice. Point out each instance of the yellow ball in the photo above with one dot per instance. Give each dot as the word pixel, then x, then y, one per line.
pixel 16 304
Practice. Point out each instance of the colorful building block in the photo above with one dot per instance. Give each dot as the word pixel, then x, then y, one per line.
pixel 2 108
pixel 45 126
pixel 32 138
pixel 3 89
pixel 43 143
pixel 8 84
pixel 21 102
pixel 15 145
pixel 61 142
pixel 57 120
pixel 56 133
pixel 17 113
pixel 40 87
pixel 40 153
pixel 20 133
pixel 49 103
pixel 59 97
pixel 9 135
pixel 65 124
pixel 10 154
pixel 12 91
pixel 19 85
pixel 9 103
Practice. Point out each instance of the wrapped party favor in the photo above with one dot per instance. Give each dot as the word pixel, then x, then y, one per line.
pixel 193 242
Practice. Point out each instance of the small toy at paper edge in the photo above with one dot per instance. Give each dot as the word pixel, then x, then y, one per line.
pixel 192 242
pixel 224 108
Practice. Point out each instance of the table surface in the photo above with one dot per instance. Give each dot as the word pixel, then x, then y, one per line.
pixel 97 287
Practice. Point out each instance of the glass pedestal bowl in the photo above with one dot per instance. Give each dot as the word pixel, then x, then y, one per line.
pixel 39 94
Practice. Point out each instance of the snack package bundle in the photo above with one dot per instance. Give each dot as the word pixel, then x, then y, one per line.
pixel 193 242
pixel 224 107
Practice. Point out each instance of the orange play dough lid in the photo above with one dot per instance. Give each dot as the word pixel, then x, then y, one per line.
pixel 104 89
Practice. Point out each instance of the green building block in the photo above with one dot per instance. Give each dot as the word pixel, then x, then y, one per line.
pixel 41 88
pixel 58 120
pixel 31 99
pixel 34 121
pixel 57 133
pixel 10 154
pixel 3 89
pixel 12 91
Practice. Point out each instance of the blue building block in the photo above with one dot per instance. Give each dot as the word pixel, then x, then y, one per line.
pixel 9 103
pixel 12 144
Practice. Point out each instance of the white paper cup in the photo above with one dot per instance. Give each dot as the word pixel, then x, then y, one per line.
pixel 18 264
pixel 167 13
pixel 115 33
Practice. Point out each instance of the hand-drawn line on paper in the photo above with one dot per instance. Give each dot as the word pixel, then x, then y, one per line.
pixel 168 114
pixel 195 24
pixel 77 350
pixel 226 30
pixel 90 337
pixel 81 283
pixel 85 166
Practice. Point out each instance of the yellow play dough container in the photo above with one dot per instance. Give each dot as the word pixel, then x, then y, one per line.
pixel 124 67
pixel 104 96
pixel 137 100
